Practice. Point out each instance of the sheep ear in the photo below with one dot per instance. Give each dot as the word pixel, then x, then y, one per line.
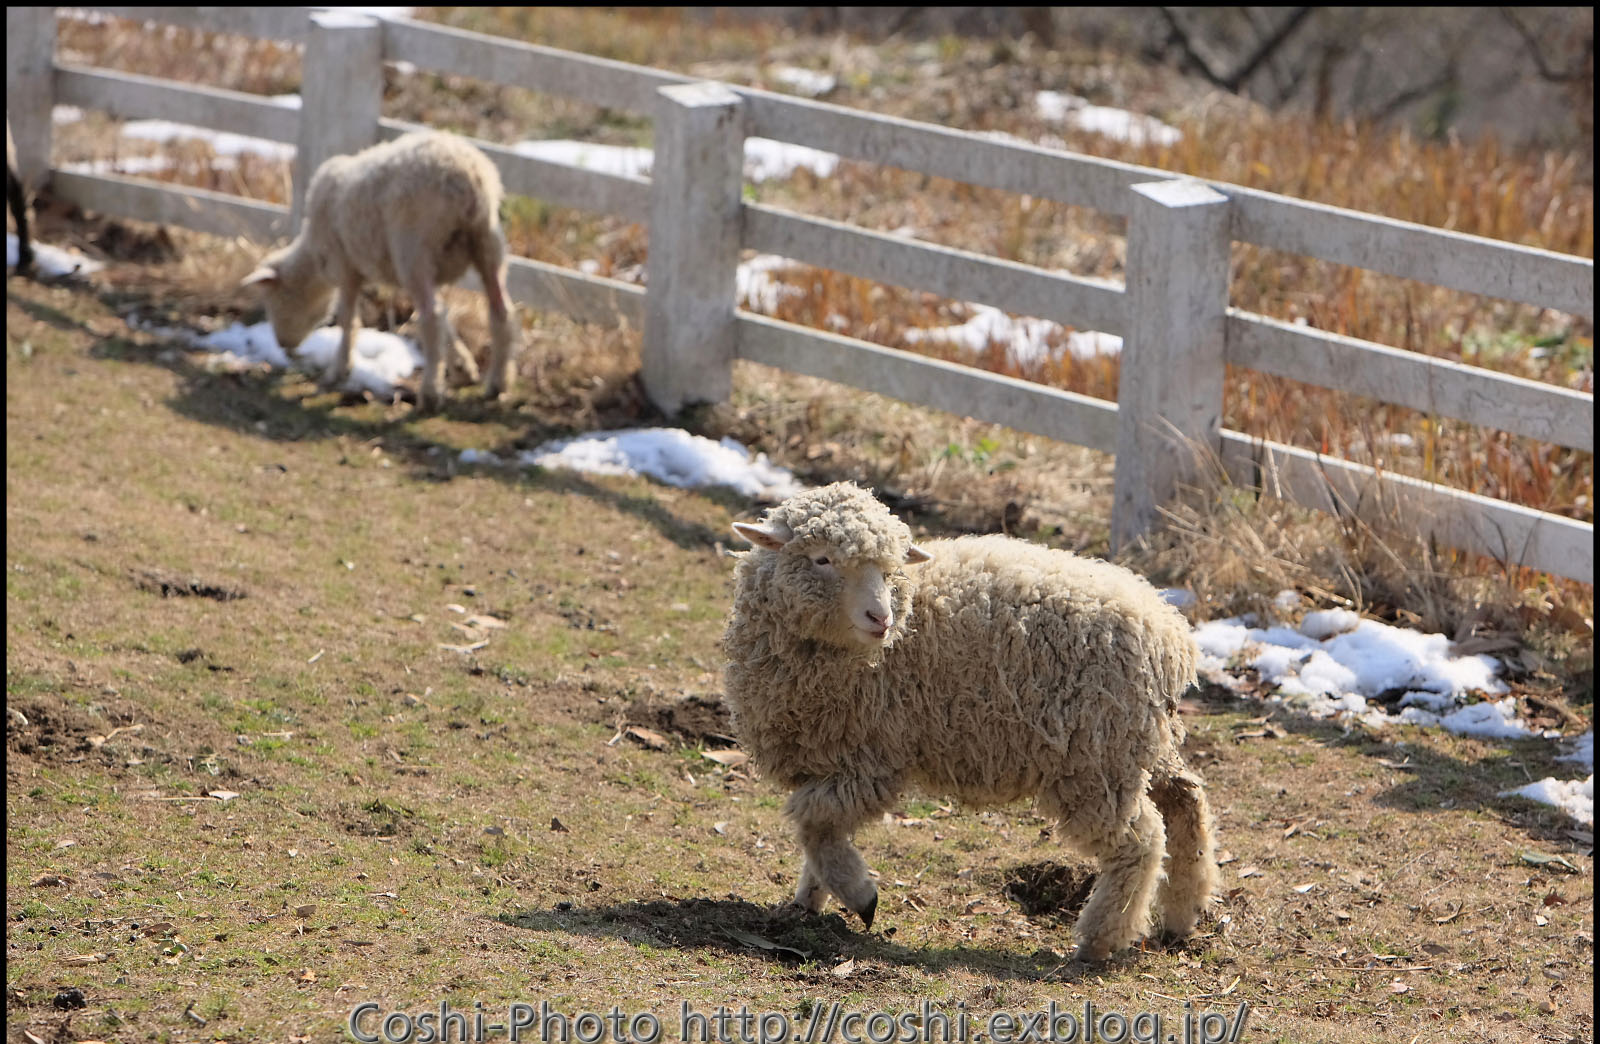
pixel 771 536
pixel 915 555
pixel 260 275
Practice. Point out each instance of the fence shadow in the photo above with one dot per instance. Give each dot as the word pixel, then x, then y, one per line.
pixel 783 935
pixel 1433 781
pixel 256 404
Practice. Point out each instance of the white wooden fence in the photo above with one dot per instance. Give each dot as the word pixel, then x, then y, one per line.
pixel 1173 312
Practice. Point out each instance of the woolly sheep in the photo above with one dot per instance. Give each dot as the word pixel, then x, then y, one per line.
pixel 995 670
pixel 415 212
pixel 17 201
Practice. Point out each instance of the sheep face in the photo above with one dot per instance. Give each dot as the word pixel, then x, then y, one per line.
pixel 296 302
pixel 835 567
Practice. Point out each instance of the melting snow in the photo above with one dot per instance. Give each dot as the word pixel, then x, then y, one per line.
pixel 52 262
pixel 669 455
pixel 808 82
pixel 764 159
pixel 223 143
pixel 378 361
pixel 1131 127
pixel 1025 339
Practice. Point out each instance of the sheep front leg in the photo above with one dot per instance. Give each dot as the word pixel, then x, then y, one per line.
pixel 826 815
pixel 345 316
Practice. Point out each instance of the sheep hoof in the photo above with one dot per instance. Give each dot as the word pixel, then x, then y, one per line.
pixel 869 911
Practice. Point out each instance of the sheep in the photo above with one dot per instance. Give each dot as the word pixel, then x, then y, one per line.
pixel 17 200
pixel 414 212
pixel 995 670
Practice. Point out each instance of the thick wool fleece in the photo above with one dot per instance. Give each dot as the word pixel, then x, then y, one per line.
pixel 435 189
pixel 1012 670
pixel 416 213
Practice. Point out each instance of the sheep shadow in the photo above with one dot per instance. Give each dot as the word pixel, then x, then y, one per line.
pixel 810 944
pixel 1432 780
pixel 269 406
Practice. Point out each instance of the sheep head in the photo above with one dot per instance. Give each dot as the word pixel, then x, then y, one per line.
pixel 297 301
pixel 832 564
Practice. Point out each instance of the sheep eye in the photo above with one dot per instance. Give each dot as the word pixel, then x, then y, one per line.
pixel 820 560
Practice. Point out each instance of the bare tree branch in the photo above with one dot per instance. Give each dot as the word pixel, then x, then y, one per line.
pixel 1265 49
pixel 1537 53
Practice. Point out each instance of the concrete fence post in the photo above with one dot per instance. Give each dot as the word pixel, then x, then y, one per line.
pixel 30 88
pixel 689 330
pixel 1169 394
pixel 341 94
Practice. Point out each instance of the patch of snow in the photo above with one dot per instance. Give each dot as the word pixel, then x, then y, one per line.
pixel 1325 623
pixel 223 143
pixel 755 286
pixel 766 160
pixel 64 114
pixel 626 160
pixel 1582 751
pixel 377 362
pixel 669 455
pixel 1026 339
pixel 808 82
pixel 1178 597
pixel 1092 344
pixel 52 262
pixel 1574 796
pixel 1059 107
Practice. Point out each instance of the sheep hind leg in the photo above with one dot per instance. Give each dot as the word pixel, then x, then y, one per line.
pixel 461 355
pixel 491 266
pixel 1192 878
pixel 1118 911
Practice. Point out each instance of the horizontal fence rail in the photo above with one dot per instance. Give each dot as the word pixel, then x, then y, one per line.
pixel 1202 332
pixel 1512 533
pixel 1495 400
pixel 1036 408
pixel 945 270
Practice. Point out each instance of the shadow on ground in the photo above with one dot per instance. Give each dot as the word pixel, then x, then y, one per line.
pixel 812 943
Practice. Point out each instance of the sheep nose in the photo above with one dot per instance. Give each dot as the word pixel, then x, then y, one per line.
pixel 879 616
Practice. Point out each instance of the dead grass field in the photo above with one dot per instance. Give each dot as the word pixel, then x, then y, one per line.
pixel 250 785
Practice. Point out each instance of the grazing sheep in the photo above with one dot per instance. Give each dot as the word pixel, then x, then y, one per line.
pixel 997 670
pixel 415 212
pixel 17 200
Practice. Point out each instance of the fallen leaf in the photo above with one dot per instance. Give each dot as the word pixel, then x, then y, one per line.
pixel 1250 871
pixel 1303 889
pixel 1399 987
pixel 489 622
pixel 649 737
pixel 305 911
pixel 50 881
pixel 464 649
pixel 843 971
pixel 1541 920
pixel 1342 915
pixel 721 828
pixel 765 944
pixel 65 842
pixel 730 758
pixel 558 826
pixel 78 959
pixel 1533 858
pixel 223 796
pixel 307 976
pixel 159 928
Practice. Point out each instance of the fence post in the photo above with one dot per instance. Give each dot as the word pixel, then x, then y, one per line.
pixel 30 88
pixel 1169 393
pixel 341 94
pixel 692 269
